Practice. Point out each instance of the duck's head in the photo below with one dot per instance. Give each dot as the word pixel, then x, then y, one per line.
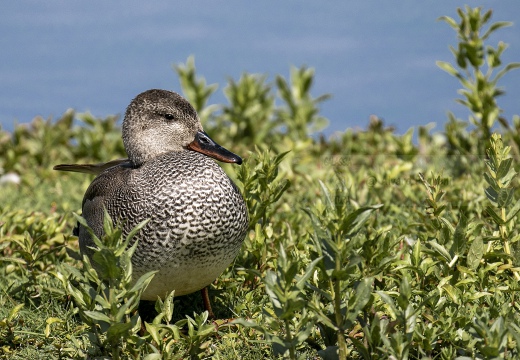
pixel 160 121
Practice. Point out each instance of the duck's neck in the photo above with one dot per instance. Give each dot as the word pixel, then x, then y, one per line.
pixel 140 151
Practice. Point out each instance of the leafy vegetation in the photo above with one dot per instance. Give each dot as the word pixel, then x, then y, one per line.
pixel 362 246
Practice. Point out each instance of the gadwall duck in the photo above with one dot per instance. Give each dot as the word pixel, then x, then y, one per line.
pixel 197 216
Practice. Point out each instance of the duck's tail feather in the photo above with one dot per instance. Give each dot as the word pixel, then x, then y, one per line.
pixel 94 169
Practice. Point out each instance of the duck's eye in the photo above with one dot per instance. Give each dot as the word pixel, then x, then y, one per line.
pixel 169 116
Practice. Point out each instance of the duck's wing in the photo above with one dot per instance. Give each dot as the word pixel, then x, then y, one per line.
pixel 94 169
pixel 101 194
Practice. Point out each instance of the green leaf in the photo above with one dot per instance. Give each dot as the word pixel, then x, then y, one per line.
pixel 49 322
pixel 330 353
pixel 12 259
pixel 405 292
pixel 452 292
pixel 492 182
pixel 477 295
pixel 168 306
pixel 108 226
pixel 153 357
pixel 439 210
pixel 127 307
pixel 329 251
pixel 459 237
pixel 143 281
pixel 107 264
pixel 506 179
pixel 326 193
pixel 117 331
pixel 491 194
pixel 14 311
pixel 505 196
pixel 137 228
pixel 494 27
pixel 355 220
pixel 249 324
pixel 475 253
pixel 512 213
pixel 153 330
pixel 309 270
pixel 496 218
pixel 81 220
pixel 96 315
pixel 206 330
pixel 362 295
pixel 281 188
pixel 504 167
pixel 450 21
pixel 446 66
pixel 389 301
pixel 447 225
pixel 441 250
pixel 279 346
pixel 83 223
pixel 71 271
pixel 416 253
pixel 278 158
pixel 505 70
pixel 304 333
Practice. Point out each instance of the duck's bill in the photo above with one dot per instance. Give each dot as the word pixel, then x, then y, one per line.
pixel 205 145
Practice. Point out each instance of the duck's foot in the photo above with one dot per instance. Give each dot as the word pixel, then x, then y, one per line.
pixel 207 303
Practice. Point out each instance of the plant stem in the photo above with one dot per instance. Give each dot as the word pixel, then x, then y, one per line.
pixel 336 294
pixel 503 235
pixel 288 337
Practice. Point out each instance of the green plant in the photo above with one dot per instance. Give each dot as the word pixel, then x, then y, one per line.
pixel 98 140
pixel 262 188
pixel 169 341
pixel 104 292
pixel 477 71
pixel 32 250
pixel 8 325
pixel 195 89
pixel 249 115
pixel 300 113
pixel 491 339
pixel 398 343
pixel 500 193
pixel 31 260
pixel 289 323
pixel 341 290
pixel 432 274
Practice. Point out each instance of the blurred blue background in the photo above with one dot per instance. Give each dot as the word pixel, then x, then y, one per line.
pixel 374 57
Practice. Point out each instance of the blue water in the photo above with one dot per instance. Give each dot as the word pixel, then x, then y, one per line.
pixel 374 57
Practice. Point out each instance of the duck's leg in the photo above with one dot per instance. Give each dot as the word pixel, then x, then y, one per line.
pixel 207 303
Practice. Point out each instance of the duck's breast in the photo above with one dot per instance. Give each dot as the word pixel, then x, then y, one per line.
pixel 196 212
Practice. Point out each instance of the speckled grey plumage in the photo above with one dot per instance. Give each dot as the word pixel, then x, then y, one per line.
pixel 198 218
